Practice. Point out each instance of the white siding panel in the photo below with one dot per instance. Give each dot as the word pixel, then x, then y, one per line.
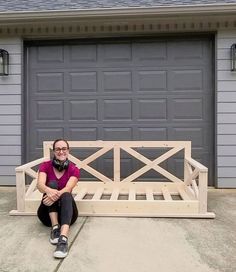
pixel 10 100
pixel 224 139
pixel 226 129
pixel 226 150
pixel 227 161
pixel 10 160
pixel 223 54
pixel 10 112
pixel 226 110
pixel 225 42
pixel 10 89
pixel 226 107
pixel 7 170
pixel 15 79
pixel 226 172
pixel 10 130
pixel 10 139
pixel 10 109
pixel 223 65
pixel 8 180
pixel 15 69
pixel 15 59
pixel 10 150
pixel 226 86
pixel 227 118
pixel 227 182
pixel 10 120
pixel 225 75
pixel 227 96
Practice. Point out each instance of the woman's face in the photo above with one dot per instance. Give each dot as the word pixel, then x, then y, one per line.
pixel 61 151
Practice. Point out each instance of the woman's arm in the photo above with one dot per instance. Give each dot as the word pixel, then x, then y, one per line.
pixel 69 185
pixel 52 194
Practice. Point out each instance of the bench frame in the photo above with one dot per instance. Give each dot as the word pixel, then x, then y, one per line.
pixel 126 197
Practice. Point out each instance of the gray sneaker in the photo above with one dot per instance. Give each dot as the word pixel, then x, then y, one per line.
pixel 55 234
pixel 61 250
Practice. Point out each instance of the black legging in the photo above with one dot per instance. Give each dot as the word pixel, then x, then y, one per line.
pixel 66 208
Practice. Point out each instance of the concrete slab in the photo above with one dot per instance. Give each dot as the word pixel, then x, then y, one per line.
pixel 24 240
pixel 124 244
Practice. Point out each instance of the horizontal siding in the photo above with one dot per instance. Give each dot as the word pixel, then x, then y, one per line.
pixel 14 150
pixel 226 150
pixel 227 129
pixel 227 182
pixel 8 180
pixel 10 112
pixel 226 111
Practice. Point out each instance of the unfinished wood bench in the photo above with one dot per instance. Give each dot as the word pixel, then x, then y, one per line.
pixel 125 196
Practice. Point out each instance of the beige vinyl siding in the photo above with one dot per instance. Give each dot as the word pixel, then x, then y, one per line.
pixel 10 112
pixel 226 111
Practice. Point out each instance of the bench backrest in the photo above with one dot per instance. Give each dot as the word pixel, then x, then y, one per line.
pixel 132 148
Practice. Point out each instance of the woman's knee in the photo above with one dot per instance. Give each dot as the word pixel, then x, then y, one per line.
pixel 66 197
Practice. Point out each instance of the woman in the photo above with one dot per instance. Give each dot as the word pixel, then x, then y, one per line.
pixel 56 180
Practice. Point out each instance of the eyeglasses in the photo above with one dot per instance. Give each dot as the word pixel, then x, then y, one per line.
pixel 58 149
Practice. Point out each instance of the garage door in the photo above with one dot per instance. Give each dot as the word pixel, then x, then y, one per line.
pixel 132 89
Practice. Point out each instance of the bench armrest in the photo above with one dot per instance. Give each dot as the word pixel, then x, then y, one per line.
pixel 196 164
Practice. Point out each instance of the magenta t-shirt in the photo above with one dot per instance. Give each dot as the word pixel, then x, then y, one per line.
pixel 71 171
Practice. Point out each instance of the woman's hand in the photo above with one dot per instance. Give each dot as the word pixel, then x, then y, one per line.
pixel 47 201
pixel 53 194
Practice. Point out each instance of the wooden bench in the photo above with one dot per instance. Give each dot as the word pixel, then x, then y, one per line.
pixel 115 195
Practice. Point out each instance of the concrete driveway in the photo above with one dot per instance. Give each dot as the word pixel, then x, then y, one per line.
pixel 99 244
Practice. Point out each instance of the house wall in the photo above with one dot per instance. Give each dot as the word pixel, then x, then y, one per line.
pixel 11 118
pixel 226 111
pixel 10 112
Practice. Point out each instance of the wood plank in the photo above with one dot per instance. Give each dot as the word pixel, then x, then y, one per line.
pixel 166 193
pixel 116 162
pixel 183 194
pixel 96 155
pixel 80 195
pixel 98 194
pixel 196 164
pixel 202 184
pixel 137 207
pixel 20 189
pixel 132 194
pixel 195 188
pixel 149 194
pixel 31 188
pixel 115 194
pixel 30 164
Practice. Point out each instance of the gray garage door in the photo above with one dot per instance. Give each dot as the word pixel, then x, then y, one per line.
pixel 133 89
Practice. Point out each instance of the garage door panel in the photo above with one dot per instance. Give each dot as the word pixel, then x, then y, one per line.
pixel 83 82
pixel 130 89
pixel 83 133
pixel 187 109
pixel 152 134
pixel 49 82
pixel 117 81
pixel 49 110
pixel 155 109
pixel 117 110
pixel 187 50
pixel 85 110
pixel 117 134
pixel 152 81
pixel 187 80
pixel 82 55
pixel 195 135
pixel 147 53
pixel 115 53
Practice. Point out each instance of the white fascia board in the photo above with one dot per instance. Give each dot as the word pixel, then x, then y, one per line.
pixel 172 11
